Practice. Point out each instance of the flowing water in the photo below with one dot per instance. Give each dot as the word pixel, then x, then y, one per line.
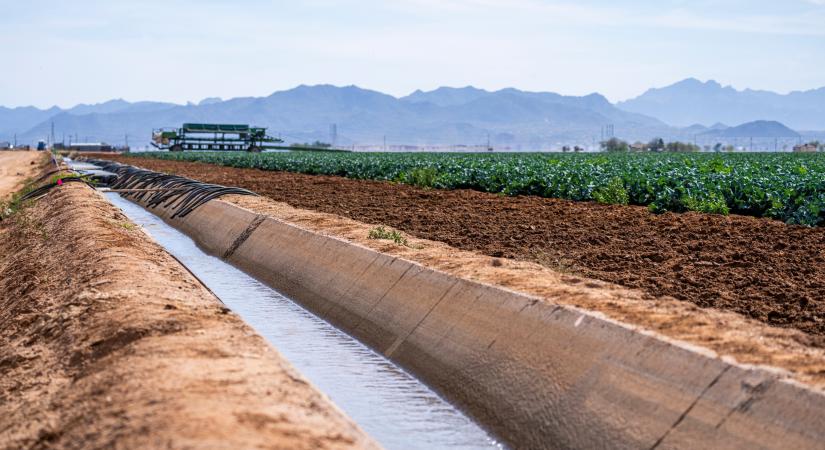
pixel 396 409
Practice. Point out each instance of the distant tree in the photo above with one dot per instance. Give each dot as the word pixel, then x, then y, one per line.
pixel 729 148
pixel 681 147
pixel 718 147
pixel 316 144
pixel 656 145
pixel 577 149
pixel 614 145
pixel 565 149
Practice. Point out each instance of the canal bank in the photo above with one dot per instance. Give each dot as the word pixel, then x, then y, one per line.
pixel 107 342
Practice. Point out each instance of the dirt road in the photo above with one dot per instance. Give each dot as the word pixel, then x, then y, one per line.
pixel 15 168
pixel 107 342
pixel 760 268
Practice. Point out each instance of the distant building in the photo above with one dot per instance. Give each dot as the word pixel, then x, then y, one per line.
pixel 805 148
pixel 5 145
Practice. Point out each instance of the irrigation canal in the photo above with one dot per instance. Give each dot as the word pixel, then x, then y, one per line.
pixel 392 406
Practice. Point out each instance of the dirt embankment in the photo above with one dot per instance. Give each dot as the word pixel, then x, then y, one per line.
pixel 16 167
pixel 107 342
pixel 760 268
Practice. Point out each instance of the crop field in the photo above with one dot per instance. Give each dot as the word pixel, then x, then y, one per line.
pixel 760 268
pixel 787 187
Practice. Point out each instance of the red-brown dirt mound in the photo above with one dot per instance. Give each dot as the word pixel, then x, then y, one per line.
pixel 761 268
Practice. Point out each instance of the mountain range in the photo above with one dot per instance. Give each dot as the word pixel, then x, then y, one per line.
pixel 692 101
pixel 444 116
pixel 755 129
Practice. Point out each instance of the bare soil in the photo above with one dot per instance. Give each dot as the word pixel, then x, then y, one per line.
pixel 107 342
pixel 16 167
pixel 760 268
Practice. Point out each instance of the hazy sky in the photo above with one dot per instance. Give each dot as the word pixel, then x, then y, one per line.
pixel 67 52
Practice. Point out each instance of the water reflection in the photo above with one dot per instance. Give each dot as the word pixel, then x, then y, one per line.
pixel 389 404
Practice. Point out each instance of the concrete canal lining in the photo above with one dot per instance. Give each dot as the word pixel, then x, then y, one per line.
pixel 535 373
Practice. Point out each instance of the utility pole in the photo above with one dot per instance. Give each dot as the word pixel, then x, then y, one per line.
pixel 126 138
pixel 385 142
pixel 15 140
pixel 52 138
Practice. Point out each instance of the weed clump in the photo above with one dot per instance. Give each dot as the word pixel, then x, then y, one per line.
pixel 10 207
pixel 391 235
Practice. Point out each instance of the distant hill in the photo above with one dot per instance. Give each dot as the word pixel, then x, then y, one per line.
pixel 447 96
pixel 444 116
pixel 210 101
pixel 691 101
pixel 23 120
pixel 305 113
pixel 756 129
pixel 19 120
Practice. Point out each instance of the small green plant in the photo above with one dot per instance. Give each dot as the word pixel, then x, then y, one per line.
pixel 392 235
pixel 613 193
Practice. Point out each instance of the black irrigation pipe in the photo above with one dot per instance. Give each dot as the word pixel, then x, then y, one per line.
pixel 51 172
pixel 181 195
pixel 42 190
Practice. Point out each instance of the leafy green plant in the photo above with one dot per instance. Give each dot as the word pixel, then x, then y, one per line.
pixel 421 176
pixel 392 235
pixel 613 193
pixel 713 203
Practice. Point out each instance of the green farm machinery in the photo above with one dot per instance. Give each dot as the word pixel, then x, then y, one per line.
pixel 216 137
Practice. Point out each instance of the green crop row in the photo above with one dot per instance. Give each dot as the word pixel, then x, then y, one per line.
pixel 785 186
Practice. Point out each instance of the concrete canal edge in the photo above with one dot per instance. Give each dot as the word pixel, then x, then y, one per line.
pixel 536 374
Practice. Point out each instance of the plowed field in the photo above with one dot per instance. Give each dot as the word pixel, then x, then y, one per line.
pixel 760 268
